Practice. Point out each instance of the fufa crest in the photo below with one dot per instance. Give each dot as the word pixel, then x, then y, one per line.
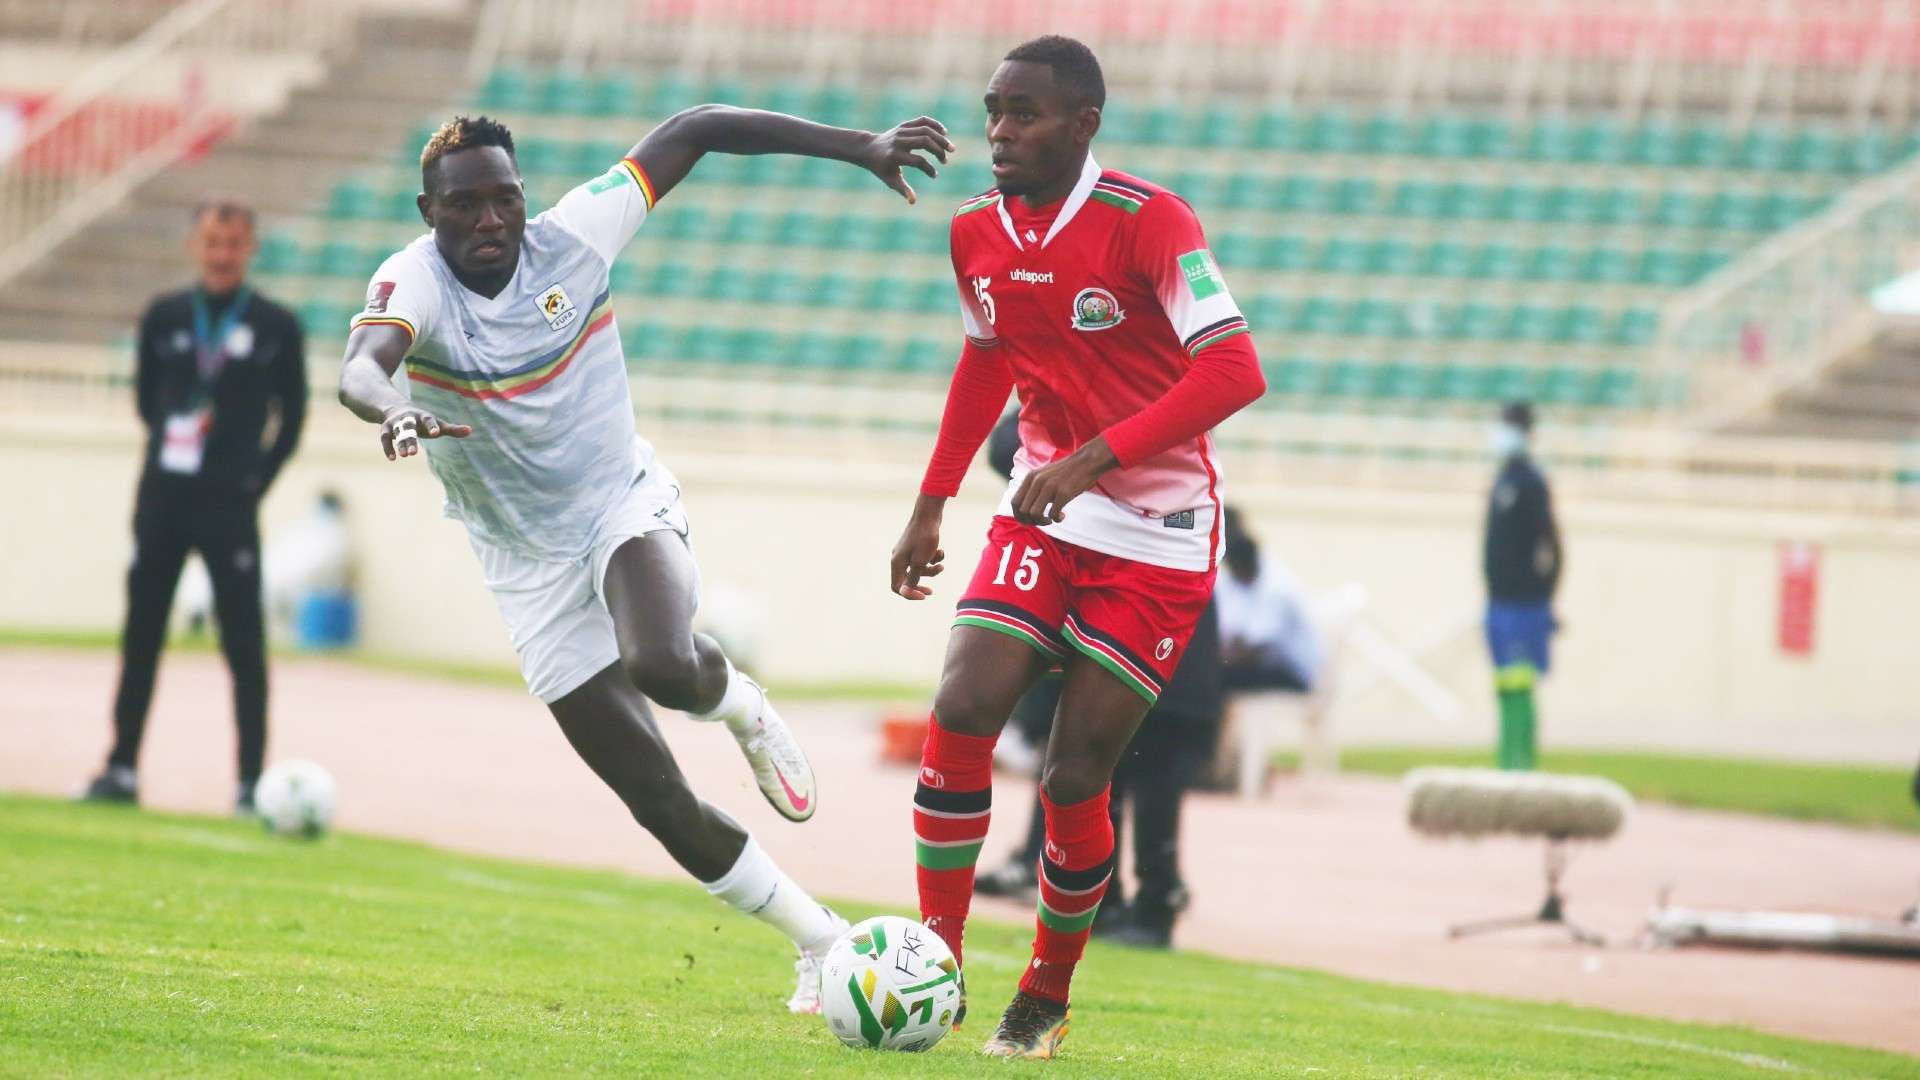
pixel 1096 309
pixel 556 307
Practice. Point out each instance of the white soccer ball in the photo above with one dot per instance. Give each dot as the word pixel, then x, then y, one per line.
pixel 890 984
pixel 295 798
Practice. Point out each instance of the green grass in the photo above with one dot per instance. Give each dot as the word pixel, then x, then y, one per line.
pixel 96 640
pixel 148 944
pixel 1863 795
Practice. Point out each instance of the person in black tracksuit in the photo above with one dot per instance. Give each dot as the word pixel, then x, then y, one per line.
pixel 216 363
pixel 1166 755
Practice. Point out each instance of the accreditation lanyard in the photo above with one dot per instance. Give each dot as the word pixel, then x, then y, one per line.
pixel 210 340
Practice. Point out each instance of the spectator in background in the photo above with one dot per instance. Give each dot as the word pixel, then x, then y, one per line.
pixel 1268 639
pixel 1522 560
pixel 215 362
pixel 1164 759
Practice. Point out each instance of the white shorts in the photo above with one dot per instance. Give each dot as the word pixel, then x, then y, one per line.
pixel 556 612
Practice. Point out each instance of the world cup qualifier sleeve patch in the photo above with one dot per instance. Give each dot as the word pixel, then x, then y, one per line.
pixel 1202 274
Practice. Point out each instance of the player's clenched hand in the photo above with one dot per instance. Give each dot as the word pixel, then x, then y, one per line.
pixel 1046 491
pixel 405 426
pixel 887 151
pixel 918 553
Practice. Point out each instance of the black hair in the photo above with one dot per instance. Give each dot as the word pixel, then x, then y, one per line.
pixel 1074 67
pixel 1519 414
pixel 223 209
pixel 463 133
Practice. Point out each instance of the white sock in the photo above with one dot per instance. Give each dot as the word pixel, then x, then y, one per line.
pixel 755 886
pixel 739 706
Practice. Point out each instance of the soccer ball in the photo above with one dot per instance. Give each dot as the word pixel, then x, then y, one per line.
pixel 890 984
pixel 295 798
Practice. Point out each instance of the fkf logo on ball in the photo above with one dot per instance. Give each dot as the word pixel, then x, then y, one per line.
pixel 557 308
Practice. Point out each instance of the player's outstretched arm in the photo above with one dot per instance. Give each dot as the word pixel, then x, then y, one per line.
pixel 374 353
pixel 669 152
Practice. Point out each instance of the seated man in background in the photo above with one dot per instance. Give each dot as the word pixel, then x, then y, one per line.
pixel 1267 639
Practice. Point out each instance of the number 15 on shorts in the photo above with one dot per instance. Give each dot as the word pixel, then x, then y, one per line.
pixel 1027 575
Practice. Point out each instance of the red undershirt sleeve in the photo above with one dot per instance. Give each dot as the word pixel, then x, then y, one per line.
pixel 1170 252
pixel 981 382
pixel 1224 379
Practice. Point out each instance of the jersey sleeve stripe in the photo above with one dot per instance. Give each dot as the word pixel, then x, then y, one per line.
pixel 639 177
pixel 1120 199
pixel 1211 328
pixel 980 202
pixel 385 320
pixel 1216 337
pixel 983 342
pixel 1113 180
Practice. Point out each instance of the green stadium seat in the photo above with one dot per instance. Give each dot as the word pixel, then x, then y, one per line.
pixel 506 90
pixel 1552 263
pixel 1292 377
pixel 1445 135
pixel 1659 145
pixel 1532 322
pixel 1278 130
pixel 935 294
pixel 1763 149
pixel 1221 127
pixel 1706 146
pixel 1332 131
pixel 1562 385
pixel 1318 315
pixel 278 254
pixel 1680 210
pixel 562 93
pixel 353 199
pixel 1601 141
pixel 1551 140
pixel 1343 255
pixel 1393 256
pixel 1457 383
pixel 1404 381
pixel 1388 133
pixel 1608 266
pixel 1355 195
pixel 1498 262
pixel 1616 388
pixel 1303 195
pixel 670 280
pixel 926 354
pixel 1284 253
pixel 1505 382
pixel 1415 198
pixel 1736 210
pixel 1349 379
pixel 626 277
pixel 610 94
pixel 1160 125
pixel 641 339
pixel 1448 259
pixel 1636 326
pixel 325 319
pixel 337 258
pixel 1582 326
pixel 402 205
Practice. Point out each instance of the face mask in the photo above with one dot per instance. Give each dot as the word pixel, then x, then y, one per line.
pixel 1508 441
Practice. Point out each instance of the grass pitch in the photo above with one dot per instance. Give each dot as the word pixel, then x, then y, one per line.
pixel 148 944
pixel 1863 795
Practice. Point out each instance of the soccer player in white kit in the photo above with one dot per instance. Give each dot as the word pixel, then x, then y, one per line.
pixel 517 382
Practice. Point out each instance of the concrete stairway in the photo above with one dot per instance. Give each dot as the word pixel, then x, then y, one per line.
pixel 1872 395
pixel 404 68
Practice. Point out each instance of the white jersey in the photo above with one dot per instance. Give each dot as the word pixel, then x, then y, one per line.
pixel 537 371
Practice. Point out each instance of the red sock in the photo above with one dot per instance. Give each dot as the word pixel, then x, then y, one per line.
pixel 1073 877
pixel 951 807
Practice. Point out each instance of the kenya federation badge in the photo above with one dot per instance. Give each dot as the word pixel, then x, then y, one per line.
pixel 1096 309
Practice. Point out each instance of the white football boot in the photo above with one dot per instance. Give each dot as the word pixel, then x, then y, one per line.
pixel 806 970
pixel 779 765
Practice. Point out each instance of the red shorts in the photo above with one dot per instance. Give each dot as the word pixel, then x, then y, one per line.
pixel 1132 618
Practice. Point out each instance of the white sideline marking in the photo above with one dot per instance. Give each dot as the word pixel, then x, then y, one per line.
pixel 1758 1061
pixel 488 881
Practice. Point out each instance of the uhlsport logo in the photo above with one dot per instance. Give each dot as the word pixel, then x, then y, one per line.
pixel 557 308
pixel 1164 649
pixel 932 777
pixel 1031 277
pixel 1096 309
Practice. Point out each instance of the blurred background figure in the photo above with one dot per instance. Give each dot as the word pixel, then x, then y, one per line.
pixel 307 570
pixel 1522 561
pixel 1268 640
pixel 1166 756
pixel 218 366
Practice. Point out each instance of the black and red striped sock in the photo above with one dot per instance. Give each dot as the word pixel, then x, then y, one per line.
pixel 951 808
pixel 1074 871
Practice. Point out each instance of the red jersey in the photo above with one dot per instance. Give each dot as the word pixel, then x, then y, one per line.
pixel 1095 310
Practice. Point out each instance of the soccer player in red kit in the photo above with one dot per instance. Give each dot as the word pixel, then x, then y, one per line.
pixel 1093 294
